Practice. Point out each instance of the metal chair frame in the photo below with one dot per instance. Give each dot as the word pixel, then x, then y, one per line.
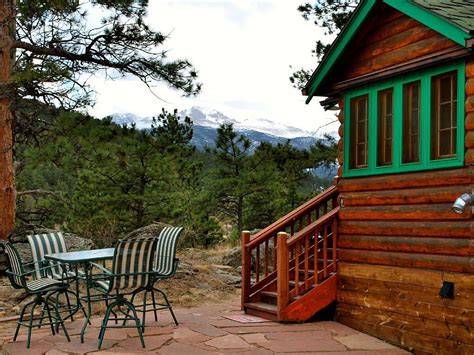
pixel 168 238
pixel 45 288
pixel 113 289
pixel 41 244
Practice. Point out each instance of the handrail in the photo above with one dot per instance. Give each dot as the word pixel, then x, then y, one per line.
pixel 306 259
pixel 283 221
pixel 320 222
pixel 259 252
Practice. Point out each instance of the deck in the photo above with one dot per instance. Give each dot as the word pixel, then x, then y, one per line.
pixel 204 330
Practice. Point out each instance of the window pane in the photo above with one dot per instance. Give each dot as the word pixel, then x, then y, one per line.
pixel 384 127
pixel 443 115
pixel 358 132
pixel 411 122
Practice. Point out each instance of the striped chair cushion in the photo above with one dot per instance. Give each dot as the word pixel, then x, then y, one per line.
pixel 44 283
pixel 47 243
pixel 132 258
pixel 166 250
pixel 14 264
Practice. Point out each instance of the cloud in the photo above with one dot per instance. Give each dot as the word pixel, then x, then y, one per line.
pixel 242 50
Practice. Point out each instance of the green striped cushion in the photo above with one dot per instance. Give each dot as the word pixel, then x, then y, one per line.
pixel 44 283
pixel 166 250
pixel 47 243
pixel 132 257
pixel 14 264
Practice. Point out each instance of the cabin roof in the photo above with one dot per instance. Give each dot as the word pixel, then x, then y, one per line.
pixel 451 18
pixel 458 12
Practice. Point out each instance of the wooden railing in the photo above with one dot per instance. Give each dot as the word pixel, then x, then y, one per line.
pixel 259 256
pixel 306 259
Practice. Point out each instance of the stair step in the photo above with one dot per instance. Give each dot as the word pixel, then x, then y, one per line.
pixel 260 306
pixel 293 283
pixel 269 297
pixel 272 294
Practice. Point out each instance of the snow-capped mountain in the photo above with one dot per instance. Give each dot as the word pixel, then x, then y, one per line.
pixel 128 119
pixel 211 118
pixel 206 121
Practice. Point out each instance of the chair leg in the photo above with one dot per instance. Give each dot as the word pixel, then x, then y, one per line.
pixel 131 300
pixel 22 314
pixel 30 322
pixel 103 327
pixel 131 307
pixel 49 317
pixel 154 305
pixel 168 304
pixel 60 320
pixel 41 319
pixel 115 314
pixel 144 311
pixel 66 293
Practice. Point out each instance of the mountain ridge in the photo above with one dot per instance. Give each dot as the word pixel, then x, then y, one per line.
pixel 206 121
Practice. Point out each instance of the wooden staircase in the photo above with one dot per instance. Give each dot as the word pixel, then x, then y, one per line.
pixel 289 268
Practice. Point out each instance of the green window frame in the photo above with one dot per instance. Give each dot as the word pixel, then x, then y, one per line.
pixel 402 92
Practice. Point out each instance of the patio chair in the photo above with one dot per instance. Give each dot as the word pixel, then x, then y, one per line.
pixel 49 243
pixel 130 271
pixel 164 267
pixel 42 288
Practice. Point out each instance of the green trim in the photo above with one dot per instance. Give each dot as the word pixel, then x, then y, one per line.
pixel 338 46
pixel 414 11
pixel 425 114
pixel 430 19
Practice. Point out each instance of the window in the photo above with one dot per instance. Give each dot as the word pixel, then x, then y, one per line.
pixel 409 123
pixel 359 114
pixel 384 127
pixel 443 115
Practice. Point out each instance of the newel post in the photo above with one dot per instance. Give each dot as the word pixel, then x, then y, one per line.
pixel 246 265
pixel 282 272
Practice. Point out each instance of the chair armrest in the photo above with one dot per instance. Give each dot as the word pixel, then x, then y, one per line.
pixel 34 271
pixel 103 269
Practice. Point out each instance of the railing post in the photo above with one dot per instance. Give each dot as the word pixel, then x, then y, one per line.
pixel 246 266
pixel 334 244
pixel 282 272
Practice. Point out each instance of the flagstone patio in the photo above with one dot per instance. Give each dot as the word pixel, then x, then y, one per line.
pixel 203 330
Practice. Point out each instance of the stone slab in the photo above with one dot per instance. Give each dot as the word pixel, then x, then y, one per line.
pixel 363 342
pixel 228 342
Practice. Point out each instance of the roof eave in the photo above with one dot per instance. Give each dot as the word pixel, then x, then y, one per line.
pixel 419 13
pixel 432 20
pixel 346 34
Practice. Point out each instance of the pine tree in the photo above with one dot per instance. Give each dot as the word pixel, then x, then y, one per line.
pixel 55 47
pixel 331 15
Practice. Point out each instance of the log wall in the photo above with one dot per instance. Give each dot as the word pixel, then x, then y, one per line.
pixel 398 238
pixel 398 241
pixel 389 39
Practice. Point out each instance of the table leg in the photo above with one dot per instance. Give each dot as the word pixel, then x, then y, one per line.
pixel 87 271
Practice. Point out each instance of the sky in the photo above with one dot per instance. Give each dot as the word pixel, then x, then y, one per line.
pixel 242 50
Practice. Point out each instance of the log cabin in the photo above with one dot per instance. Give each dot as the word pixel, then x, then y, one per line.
pixel 383 246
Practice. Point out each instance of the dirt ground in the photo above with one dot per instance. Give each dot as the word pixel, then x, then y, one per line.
pixel 201 278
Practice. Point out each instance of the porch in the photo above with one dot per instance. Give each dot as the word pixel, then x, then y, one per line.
pixel 205 330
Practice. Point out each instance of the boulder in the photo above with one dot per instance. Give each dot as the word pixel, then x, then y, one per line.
pixel 233 257
pixel 154 229
pixel 150 231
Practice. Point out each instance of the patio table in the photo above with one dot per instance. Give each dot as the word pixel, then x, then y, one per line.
pixel 85 257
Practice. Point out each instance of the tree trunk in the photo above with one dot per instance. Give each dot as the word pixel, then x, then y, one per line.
pixel 240 215
pixel 7 173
